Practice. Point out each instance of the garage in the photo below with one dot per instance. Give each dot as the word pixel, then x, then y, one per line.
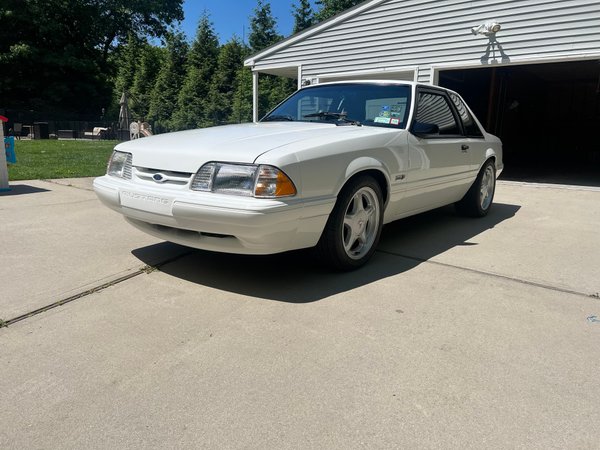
pixel 529 68
pixel 546 114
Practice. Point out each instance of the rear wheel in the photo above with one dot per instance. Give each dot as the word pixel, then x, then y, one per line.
pixel 478 200
pixel 354 226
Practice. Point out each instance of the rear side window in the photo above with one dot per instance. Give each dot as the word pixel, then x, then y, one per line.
pixel 434 109
pixel 469 125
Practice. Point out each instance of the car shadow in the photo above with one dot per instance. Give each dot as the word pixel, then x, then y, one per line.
pixel 296 277
pixel 22 189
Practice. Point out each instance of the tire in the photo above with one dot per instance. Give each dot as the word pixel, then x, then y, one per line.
pixel 354 226
pixel 478 199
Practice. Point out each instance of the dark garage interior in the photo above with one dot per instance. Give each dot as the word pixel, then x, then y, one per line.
pixel 547 115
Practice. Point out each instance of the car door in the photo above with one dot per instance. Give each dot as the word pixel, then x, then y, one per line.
pixel 439 158
pixel 474 138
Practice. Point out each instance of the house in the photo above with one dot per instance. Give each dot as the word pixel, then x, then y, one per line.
pixel 529 68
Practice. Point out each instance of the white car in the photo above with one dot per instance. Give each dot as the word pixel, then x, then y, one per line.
pixel 327 168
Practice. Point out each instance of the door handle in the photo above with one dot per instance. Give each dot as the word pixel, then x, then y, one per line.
pixel 464 148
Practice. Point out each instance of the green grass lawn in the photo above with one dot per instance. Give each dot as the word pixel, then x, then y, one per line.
pixel 44 159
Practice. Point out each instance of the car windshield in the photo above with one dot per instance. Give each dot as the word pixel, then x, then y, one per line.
pixel 378 105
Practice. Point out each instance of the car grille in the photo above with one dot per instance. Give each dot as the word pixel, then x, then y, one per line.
pixel 163 176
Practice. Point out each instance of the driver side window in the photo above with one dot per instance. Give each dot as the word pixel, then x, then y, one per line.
pixel 433 109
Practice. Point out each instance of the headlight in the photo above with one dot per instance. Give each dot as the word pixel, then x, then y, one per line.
pixel 243 179
pixel 119 165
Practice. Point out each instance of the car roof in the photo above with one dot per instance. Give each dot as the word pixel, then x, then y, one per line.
pixel 381 81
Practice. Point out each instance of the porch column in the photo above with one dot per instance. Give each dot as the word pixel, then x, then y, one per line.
pixel 254 96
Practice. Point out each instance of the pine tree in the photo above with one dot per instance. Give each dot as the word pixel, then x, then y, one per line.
pixel 191 109
pixel 150 60
pixel 329 8
pixel 303 16
pixel 223 86
pixel 242 99
pixel 262 25
pixel 263 34
pixel 168 82
pixel 127 62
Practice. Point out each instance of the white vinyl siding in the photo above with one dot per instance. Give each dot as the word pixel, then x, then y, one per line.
pixel 395 34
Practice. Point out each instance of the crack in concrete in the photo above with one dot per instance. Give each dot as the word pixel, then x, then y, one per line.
pixel 67 185
pixel 495 275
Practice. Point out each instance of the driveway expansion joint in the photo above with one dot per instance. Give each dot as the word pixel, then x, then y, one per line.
pixel 147 269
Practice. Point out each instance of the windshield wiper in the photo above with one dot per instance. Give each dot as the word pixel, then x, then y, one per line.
pixel 340 117
pixel 278 118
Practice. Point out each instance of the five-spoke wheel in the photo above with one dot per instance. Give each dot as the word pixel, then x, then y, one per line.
pixel 354 226
pixel 478 199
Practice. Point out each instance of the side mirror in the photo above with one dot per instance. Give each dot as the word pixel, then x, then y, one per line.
pixel 424 129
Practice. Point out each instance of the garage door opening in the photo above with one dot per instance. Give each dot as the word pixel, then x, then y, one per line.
pixel 547 116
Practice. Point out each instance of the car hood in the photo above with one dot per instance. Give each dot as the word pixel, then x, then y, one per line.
pixel 186 151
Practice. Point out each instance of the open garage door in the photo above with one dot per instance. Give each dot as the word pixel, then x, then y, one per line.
pixel 547 115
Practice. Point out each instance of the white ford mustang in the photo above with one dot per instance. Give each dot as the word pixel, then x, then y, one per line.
pixel 328 168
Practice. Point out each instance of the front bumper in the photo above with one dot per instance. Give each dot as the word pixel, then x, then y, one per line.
pixel 217 222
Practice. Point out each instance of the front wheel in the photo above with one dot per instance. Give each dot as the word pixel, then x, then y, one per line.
pixel 354 226
pixel 478 199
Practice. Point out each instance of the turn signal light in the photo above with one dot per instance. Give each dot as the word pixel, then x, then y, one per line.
pixel 272 182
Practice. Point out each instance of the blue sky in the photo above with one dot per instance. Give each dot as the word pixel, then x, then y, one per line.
pixel 230 17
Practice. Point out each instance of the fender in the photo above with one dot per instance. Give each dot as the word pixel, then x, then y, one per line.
pixel 489 153
pixel 360 165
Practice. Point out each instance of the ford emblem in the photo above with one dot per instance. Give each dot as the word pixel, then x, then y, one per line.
pixel 159 178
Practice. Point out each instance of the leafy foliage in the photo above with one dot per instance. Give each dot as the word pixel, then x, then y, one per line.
pixel 55 54
pixel 263 32
pixel 169 82
pixel 329 8
pixel 224 83
pixel 242 97
pixel 192 101
pixel 303 16
pixel 69 58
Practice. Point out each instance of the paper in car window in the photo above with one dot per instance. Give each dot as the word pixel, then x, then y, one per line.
pixel 386 108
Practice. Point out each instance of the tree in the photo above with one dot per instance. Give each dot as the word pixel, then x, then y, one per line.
pixel 241 110
pixel 169 82
pixel 262 25
pixel 150 61
pixel 55 55
pixel 192 102
pixel 303 16
pixel 223 86
pixel 127 60
pixel 329 8
pixel 115 19
pixel 263 34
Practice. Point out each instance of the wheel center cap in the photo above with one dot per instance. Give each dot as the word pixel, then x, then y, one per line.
pixel 361 221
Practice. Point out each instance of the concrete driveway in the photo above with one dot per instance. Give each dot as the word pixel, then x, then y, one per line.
pixel 460 333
